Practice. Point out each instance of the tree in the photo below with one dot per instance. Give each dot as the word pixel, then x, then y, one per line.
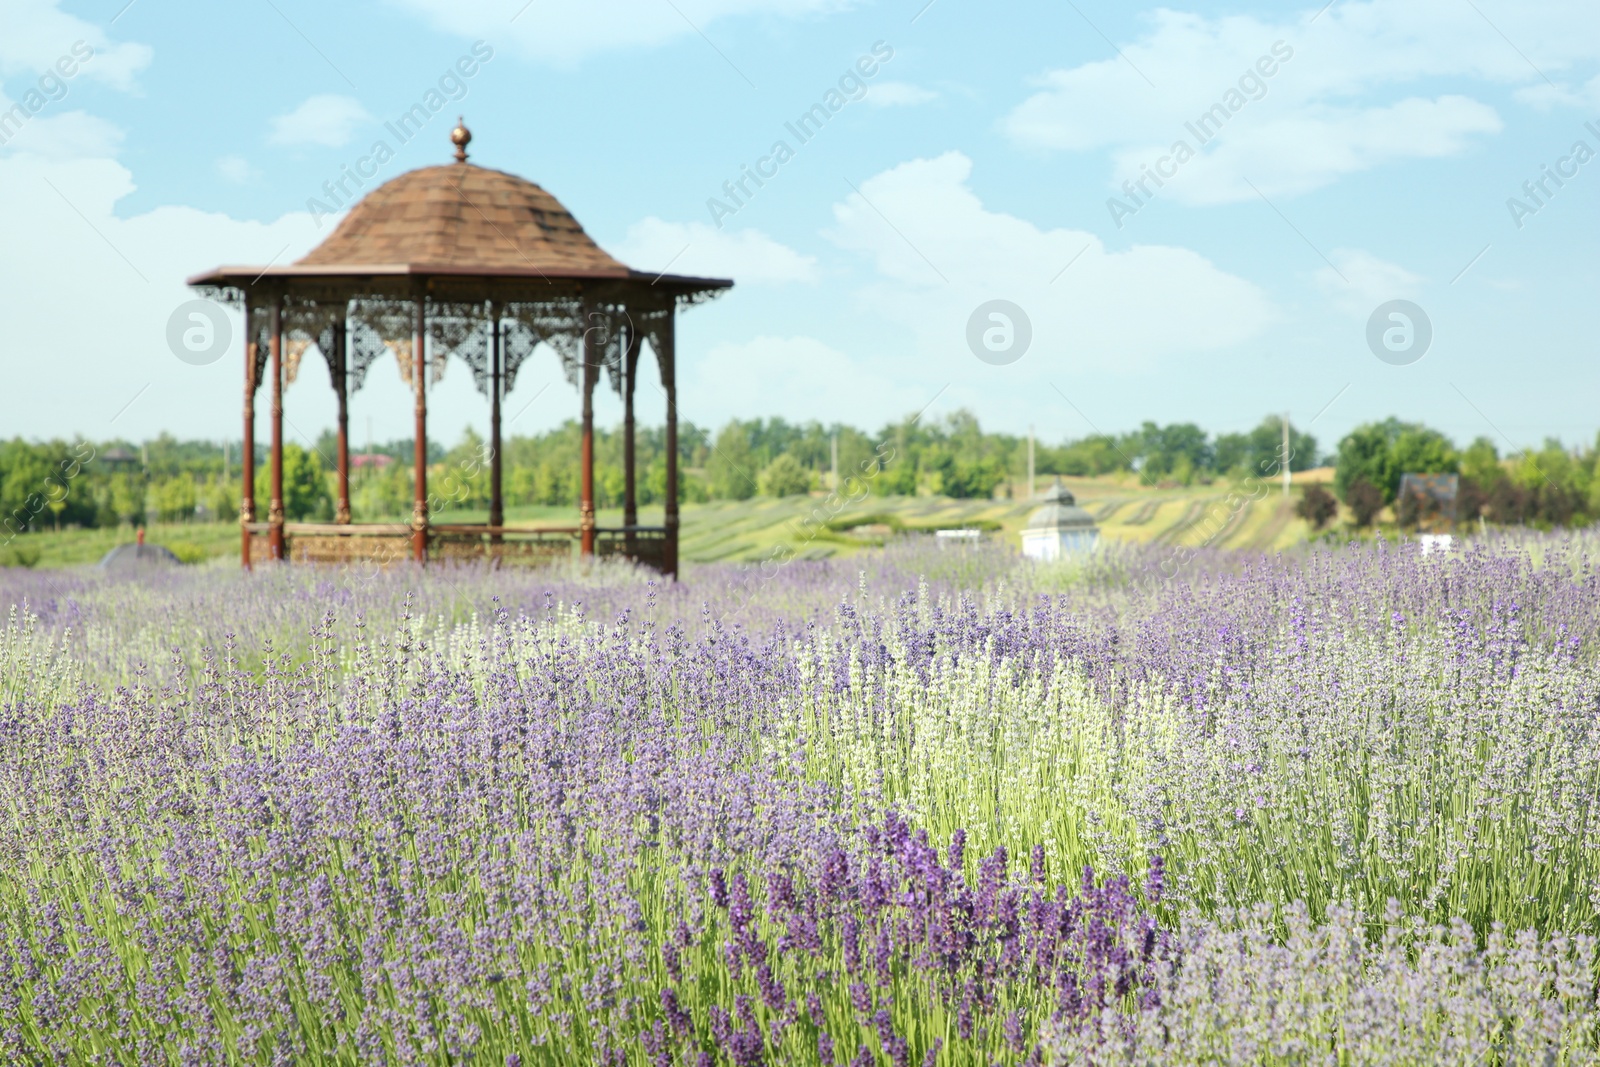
pixel 1481 464
pixel 1470 500
pixel 1365 500
pixel 1378 453
pixel 175 498
pixel 1093 455
pixel 1176 452
pixel 1507 503
pixel 785 477
pixel 1257 453
pixel 731 465
pixel 1317 506
pixel 305 485
pixel 1419 450
pixel 127 497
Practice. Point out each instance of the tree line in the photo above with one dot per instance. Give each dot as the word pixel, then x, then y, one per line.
pixel 1548 487
pixel 46 484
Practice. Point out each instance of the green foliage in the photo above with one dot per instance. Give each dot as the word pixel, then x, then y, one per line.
pixel 18 554
pixel 1257 452
pixel 785 477
pixel 174 498
pixel 305 485
pixel 1172 453
pixel 1553 486
pixel 126 497
pixel 43 485
pixel 54 484
pixel 1419 450
pixel 1481 463
pixel 187 551
pixel 1091 456
pixel 731 466
pixel 1378 453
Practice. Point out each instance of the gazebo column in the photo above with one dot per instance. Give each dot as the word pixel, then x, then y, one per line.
pixel 667 358
pixel 497 510
pixel 419 377
pixel 630 500
pixel 340 359
pixel 247 466
pixel 275 537
pixel 591 365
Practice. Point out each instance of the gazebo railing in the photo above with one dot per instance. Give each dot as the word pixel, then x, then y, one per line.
pixel 382 543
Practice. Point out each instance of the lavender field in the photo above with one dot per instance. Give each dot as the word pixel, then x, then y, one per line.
pixel 916 807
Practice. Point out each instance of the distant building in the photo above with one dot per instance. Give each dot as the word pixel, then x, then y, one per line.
pixel 1058 527
pixel 1427 502
pixel 375 460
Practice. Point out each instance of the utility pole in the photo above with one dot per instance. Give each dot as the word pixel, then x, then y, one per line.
pixel 1030 462
pixel 834 446
pixel 1286 455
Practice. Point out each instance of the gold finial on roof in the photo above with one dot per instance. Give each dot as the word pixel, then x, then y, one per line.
pixel 461 137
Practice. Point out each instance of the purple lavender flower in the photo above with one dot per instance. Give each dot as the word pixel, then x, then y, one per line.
pixel 1155 881
pixel 677 1017
pixel 958 849
pixel 1015 1035
pixel 860 998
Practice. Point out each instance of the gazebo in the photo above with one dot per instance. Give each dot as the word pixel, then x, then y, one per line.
pixel 1058 527
pixel 483 265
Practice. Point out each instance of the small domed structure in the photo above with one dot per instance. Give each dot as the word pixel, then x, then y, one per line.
pixel 1058 527
pixel 132 557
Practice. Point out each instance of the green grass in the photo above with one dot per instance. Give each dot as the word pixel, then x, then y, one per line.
pixel 745 530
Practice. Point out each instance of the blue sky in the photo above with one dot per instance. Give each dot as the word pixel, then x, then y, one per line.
pixel 979 162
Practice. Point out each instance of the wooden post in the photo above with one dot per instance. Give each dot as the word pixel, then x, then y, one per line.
pixel 497 510
pixel 275 470
pixel 592 354
pixel 630 501
pixel 341 514
pixel 247 467
pixel 419 378
pixel 668 359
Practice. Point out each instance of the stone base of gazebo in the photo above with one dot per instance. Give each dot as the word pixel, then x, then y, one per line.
pixel 384 543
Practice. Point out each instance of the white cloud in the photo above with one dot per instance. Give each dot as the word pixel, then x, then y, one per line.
pixel 564 34
pixel 749 257
pixel 1329 107
pixel 1362 281
pixel 1545 96
pixel 60 136
pixel 38 36
pixel 326 119
pixel 939 253
pixel 101 340
pixel 236 169
pixel 898 94
pixel 1293 154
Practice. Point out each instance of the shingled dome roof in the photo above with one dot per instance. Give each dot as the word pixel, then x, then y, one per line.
pixel 454 225
pixel 462 217
pixel 1059 511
